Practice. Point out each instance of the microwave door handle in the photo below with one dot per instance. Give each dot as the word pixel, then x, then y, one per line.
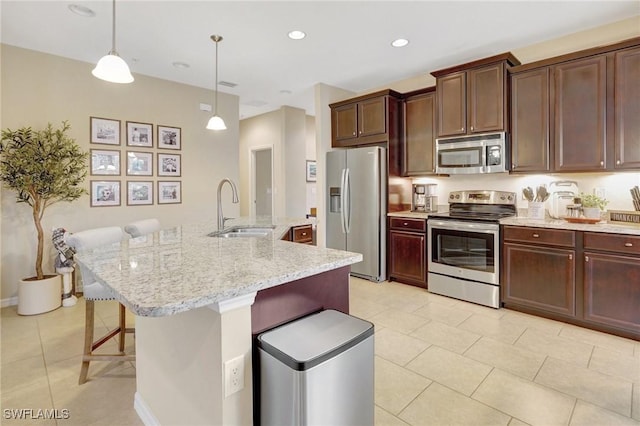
pixel 485 155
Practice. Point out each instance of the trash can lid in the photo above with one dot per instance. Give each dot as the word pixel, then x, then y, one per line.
pixel 311 340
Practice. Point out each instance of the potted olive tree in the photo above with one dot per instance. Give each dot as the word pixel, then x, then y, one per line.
pixel 43 167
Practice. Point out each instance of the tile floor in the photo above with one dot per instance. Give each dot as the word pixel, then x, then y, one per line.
pixel 439 361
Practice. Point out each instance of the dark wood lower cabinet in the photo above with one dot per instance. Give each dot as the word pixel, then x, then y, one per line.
pixel 407 248
pixel 612 290
pixel 584 278
pixel 540 277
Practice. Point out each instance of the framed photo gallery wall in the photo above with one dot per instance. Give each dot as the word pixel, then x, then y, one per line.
pixel 143 152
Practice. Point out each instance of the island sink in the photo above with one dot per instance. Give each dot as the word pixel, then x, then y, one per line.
pixel 243 232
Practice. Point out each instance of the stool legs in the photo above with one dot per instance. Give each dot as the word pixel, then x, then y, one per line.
pixel 90 345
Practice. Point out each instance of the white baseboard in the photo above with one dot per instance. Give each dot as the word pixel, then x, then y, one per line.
pixel 11 301
pixel 144 412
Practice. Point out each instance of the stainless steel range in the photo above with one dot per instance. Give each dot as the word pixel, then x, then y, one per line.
pixel 464 246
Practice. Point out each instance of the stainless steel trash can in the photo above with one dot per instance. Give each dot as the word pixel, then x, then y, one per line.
pixel 317 370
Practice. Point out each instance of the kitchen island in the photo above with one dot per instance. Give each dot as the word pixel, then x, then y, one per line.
pixel 193 296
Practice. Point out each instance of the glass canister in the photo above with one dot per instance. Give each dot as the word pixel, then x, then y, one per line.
pixel 574 210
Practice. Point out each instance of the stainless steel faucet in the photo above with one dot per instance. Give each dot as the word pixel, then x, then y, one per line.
pixel 221 218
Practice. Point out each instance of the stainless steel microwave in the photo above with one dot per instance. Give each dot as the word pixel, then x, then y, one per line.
pixel 484 153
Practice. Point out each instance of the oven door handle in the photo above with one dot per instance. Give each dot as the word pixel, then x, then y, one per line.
pixel 487 228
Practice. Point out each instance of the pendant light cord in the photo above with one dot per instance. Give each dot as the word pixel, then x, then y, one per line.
pixel 113 30
pixel 216 82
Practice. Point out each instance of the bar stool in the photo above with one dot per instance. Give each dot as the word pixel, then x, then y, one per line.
pixel 95 291
pixel 142 227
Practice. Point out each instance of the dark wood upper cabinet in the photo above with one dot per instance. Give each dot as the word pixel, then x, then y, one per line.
pixel 530 143
pixel 366 120
pixel 627 109
pixel 577 112
pixel 472 98
pixel 418 145
pixel 345 122
pixel 452 104
pixel 580 107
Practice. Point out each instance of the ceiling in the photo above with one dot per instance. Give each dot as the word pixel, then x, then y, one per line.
pixel 347 43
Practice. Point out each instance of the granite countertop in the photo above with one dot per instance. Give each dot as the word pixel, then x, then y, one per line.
pixel 181 268
pixel 603 226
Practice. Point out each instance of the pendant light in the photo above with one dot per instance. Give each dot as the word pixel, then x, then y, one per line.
pixel 216 122
pixel 112 67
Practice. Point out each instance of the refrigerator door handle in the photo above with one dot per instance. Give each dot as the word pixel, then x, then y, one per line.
pixel 342 200
pixel 347 210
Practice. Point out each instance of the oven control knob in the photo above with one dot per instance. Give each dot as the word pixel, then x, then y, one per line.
pixel 451 196
pixel 502 197
pixel 510 197
pixel 457 196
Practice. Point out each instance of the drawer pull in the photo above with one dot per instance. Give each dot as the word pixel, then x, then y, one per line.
pixel 304 233
pixel 405 224
pixel 536 235
pixel 628 244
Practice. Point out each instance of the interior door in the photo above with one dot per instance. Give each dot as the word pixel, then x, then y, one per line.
pixel 263 201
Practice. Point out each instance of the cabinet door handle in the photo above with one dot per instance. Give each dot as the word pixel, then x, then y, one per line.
pixel 354 133
pixel 536 235
pixel 602 163
pixel 618 162
pixel 472 128
pixel 570 257
pixel 628 244
pixel 586 258
pixel 513 166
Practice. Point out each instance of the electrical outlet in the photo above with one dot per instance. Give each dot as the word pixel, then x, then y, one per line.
pixel 234 375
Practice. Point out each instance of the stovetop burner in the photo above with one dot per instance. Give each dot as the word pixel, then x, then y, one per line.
pixel 487 206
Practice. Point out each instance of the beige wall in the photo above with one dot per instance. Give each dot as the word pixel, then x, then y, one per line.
pixel 39 88
pixel 285 132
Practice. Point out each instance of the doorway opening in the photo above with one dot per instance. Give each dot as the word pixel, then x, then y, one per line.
pixel 262 182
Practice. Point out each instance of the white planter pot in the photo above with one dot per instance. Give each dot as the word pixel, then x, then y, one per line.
pixel 591 212
pixel 39 296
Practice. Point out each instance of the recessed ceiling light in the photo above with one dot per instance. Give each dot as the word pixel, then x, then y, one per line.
pixel 296 35
pixel 81 10
pixel 181 65
pixel 400 42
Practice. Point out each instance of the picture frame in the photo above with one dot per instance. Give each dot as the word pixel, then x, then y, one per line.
pixel 104 131
pixel 139 193
pixel 139 134
pixel 139 163
pixel 105 162
pixel 105 193
pixel 169 165
pixel 169 192
pixel 169 137
pixel 311 171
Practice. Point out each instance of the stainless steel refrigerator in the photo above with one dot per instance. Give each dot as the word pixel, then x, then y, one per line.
pixel 357 207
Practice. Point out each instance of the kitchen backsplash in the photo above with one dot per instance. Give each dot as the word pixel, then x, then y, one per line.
pixel 615 185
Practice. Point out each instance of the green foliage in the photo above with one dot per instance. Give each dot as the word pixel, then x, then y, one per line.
pixel 591 200
pixel 43 167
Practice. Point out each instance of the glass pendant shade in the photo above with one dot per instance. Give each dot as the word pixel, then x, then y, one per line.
pixel 216 123
pixel 112 68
